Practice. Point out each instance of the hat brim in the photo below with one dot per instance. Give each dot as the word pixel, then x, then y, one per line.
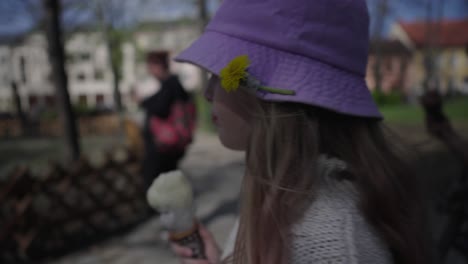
pixel 314 82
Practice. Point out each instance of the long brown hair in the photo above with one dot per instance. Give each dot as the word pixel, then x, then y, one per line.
pixel 285 141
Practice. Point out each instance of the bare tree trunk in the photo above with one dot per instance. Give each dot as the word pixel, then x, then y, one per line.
pixel 57 59
pixel 19 108
pixel 429 56
pixel 111 45
pixel 203 17
pixel 203 21
pixel 378 69
pixel 203 13
pixel 403 67
pixel 382 8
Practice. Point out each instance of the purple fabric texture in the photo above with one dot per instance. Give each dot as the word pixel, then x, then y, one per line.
pixel 318 48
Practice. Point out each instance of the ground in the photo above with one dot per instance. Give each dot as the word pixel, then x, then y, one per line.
pixel 216 174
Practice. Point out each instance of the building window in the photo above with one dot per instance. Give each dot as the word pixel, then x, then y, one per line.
pixel 85 56
pixel 98 75
pixel 81 77
pixel 70 58
pixel 99 99
pixel 33 100
pixel 82 100
pixel 50 77
pixel 50 100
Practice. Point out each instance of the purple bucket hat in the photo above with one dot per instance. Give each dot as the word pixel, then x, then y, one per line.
pixel 316 48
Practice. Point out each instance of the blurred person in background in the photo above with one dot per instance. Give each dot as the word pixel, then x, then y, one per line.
pixel 169 120
pixel 323 183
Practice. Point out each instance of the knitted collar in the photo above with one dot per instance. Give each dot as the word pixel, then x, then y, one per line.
pixel 328 166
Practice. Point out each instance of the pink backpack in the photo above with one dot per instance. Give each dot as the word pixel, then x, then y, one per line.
pixel 175 133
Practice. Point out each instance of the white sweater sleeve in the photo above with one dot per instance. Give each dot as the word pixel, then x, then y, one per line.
pixel 333 231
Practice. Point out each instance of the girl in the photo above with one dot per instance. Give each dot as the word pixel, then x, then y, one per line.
pixel 322 184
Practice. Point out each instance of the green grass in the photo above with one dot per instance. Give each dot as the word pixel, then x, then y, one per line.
pixel 456 110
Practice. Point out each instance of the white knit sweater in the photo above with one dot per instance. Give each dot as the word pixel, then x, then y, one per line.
pixel 332 230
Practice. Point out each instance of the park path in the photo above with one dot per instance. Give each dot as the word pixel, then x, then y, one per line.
pixel 216 173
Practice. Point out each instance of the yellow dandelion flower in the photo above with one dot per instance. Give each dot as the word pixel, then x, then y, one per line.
pixel 234 72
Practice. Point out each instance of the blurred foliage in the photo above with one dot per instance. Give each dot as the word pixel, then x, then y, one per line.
pixel 456 110
pixel 49 114
pixel 392 98
pixel 82 109
pixel 116 39
pixel 85 110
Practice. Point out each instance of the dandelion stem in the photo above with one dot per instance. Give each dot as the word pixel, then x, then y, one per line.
pixel 277 91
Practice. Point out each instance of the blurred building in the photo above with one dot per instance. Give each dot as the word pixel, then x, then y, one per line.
pixel 22 60
pixel 25 61
pixel 394 59
pixel 449 39
pixel 89 74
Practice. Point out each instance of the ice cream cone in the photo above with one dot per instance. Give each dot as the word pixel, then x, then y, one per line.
pixel 191 239
pixel 171 194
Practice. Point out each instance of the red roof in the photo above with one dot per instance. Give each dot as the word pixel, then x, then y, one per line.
pixel 447 33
